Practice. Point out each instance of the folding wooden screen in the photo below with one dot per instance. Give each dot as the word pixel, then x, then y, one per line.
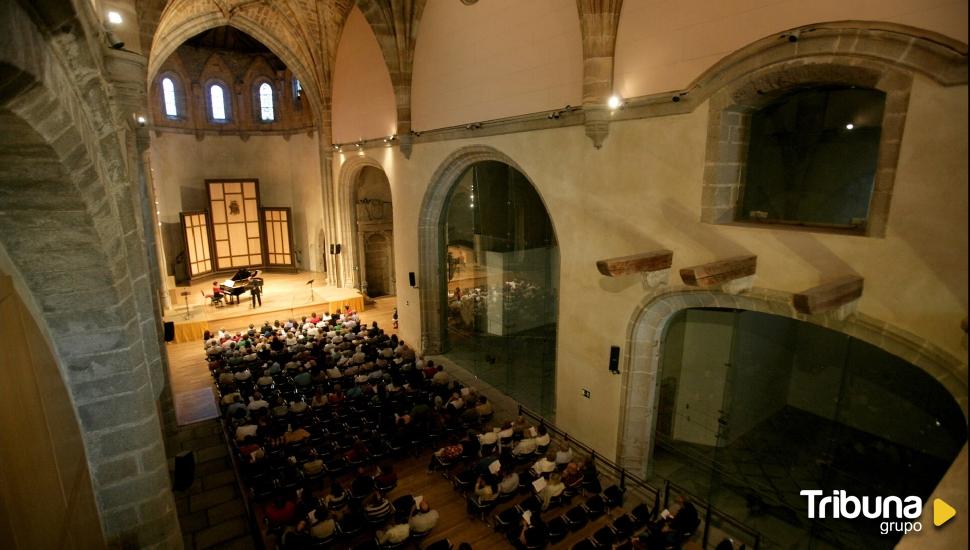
pixel 234 205
pixel 279 237
pixel 195 230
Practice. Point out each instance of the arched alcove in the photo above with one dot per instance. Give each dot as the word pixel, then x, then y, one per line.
pixel 647 408
pixel 489 275
pixel 374 232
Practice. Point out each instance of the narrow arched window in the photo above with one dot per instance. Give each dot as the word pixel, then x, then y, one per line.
pixel 168 95
pixel 266 102
pixel 218 100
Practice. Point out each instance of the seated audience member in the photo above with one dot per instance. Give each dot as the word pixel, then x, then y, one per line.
pixel 554 487
pixel 281 510
pixel 386 476
pixel 424 519
pixel 542 437
pixel 322 526
pixel 564 455
pixel 336 501
pixel 398 532
pixel 686 519
pixel 509 483
pixel 257 402
pixel 525 447
pixel 544 465
pixel 377 507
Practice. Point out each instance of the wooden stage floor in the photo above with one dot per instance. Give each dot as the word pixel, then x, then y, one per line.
pixel 285 295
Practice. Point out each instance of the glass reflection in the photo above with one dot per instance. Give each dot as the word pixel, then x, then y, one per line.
pixel 502 265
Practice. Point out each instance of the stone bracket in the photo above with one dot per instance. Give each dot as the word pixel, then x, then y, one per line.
pixel 721 272
pixel 829 296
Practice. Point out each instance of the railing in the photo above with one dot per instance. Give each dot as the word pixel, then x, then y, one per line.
pixel 731 526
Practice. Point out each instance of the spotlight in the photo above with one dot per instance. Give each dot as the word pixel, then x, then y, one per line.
pixel 141 121
pixel 614 102
pixel 849 126
pixel 114 18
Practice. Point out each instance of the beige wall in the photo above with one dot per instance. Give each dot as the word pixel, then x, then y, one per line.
pixel 46 497
pixel 288 171
pixel 495 59
pixel 664 45
pixel 363 98
pixel 642 190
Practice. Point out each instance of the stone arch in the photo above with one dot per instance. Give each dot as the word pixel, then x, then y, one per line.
pixel 71 225
pixel 431 276
pixel 347 198
pixel 876 55
pixel 183 19
pixel 650 319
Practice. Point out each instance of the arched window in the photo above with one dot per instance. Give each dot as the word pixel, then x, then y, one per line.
pixel 266 112
pixel 168 97
pixel 217 97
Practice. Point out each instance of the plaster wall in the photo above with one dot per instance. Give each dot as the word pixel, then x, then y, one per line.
pixel 663 45
pixel 495 59
pixel 363 98
pixel 288 171
pixel 642 191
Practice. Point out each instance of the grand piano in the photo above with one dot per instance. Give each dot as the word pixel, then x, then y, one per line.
pixel 244 280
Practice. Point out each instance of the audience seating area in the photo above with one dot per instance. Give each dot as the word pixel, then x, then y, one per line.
pixel 343 438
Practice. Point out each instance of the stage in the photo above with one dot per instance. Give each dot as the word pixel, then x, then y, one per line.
pixel 285 296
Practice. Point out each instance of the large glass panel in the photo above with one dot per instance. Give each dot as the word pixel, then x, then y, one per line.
pixel 755 408
pixel 812 157
pixel 502 264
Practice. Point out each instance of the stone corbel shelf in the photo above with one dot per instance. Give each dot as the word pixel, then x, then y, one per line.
pixel 655 260
pixel 732 274
pixel 828 296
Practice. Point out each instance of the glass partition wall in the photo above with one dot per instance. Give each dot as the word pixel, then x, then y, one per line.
pixel 502 264
pixel 754 408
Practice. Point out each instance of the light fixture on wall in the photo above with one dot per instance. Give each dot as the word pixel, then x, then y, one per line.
pixel 115 18
pixel 614 102
pixel 473 126
pixel 141 120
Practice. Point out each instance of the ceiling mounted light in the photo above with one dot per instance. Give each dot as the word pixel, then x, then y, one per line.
pixel 849 126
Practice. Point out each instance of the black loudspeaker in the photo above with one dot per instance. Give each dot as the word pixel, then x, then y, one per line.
pixel 184 471
pixel 332 249
pixel 411 279
pixel 169 331
pixel 615 359
pixel 337 248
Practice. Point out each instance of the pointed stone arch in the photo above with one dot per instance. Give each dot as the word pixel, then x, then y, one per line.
pixel 431 274
pixel 346 201
pixel 648 324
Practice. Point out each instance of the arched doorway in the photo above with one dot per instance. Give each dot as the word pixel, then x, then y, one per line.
pixel 490 276
pixel 373 223
pixel 744 403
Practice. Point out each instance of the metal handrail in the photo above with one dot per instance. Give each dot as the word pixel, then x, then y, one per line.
pixel 624 478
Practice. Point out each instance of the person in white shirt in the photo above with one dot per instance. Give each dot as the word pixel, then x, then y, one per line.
pixel 564 455
pixel 257 402
pixel 545 465
pixel 424 519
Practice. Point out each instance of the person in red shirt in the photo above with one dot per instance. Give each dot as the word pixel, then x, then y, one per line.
pixel 281 511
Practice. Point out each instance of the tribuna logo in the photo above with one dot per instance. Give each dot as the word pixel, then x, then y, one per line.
pixel 840 505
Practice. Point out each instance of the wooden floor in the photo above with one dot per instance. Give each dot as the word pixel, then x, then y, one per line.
pixel 192 387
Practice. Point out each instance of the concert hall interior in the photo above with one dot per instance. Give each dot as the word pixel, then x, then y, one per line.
pixel 514 274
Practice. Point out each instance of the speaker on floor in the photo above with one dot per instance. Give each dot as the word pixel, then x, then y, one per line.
pixel 411 279
pixel 169 331
pixel 184 471
pixel 615 359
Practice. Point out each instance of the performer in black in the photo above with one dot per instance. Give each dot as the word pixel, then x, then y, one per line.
pixel 256 294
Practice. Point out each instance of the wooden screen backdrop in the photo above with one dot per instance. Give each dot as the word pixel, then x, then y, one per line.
pixel 234 205
pixel 195 230
pixel 279 237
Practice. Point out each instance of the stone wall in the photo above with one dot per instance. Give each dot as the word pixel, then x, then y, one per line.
pixel 72 223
